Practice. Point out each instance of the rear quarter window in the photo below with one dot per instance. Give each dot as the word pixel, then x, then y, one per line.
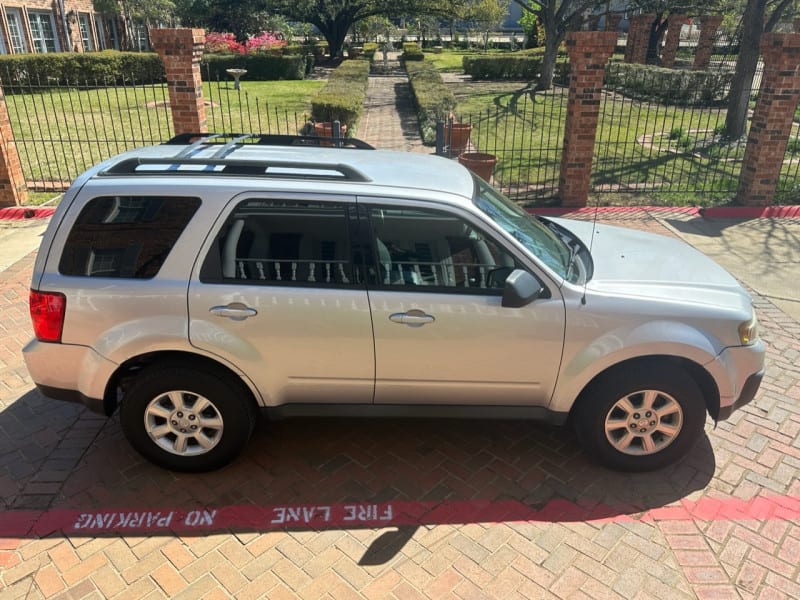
pixel 125 236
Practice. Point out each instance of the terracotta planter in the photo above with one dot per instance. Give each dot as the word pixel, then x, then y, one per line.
pixel 325 129
pixel 479 163
pixel 456 137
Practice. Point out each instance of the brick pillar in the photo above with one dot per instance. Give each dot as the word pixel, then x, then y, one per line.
pixel 638 38
pixel 772 119
pixel 708 32
pixel 674 23
pixel 589 52
pixel 13 191
pixel 612 21
pixel 181 50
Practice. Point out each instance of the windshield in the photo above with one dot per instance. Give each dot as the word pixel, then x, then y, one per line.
pixel 530 232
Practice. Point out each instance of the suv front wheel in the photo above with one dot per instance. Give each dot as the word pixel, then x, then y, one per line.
pixel 186 419
pixel 642 420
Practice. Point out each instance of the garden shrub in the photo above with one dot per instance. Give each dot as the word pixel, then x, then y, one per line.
pixel 108 67
pixel 524 66
pixel 260 66
pixel 668 86
pixel 342 97
pixel 370 48
pixel 432 98
pixel 412 51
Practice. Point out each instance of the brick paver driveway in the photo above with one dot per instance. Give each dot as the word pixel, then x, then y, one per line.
pixel 396 509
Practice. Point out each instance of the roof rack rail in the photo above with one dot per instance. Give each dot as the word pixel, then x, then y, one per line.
pixel 195 140
pixel 221 166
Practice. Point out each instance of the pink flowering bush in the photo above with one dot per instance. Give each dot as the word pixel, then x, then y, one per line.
pixel 223 43
pixel 264 41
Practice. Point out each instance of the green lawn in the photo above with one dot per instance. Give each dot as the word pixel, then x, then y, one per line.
pixel 93 124
pixel 450 61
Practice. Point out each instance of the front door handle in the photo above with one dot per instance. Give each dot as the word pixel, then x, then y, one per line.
pixel 235 310
pixel 412 318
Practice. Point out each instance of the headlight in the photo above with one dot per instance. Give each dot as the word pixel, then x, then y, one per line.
pixel 748 331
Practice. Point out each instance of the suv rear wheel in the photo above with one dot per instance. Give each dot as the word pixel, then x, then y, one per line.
pixel 641 420
pixel 186 419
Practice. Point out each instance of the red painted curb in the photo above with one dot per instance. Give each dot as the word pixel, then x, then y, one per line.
pixel 712 212
pixel 19 213
pixel 15 525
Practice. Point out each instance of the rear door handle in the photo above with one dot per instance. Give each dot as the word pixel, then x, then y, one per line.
pixel 235 310
pixel 412 318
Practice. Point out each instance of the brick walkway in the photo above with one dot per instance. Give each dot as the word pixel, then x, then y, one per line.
pixel 389 121
pixel 478 510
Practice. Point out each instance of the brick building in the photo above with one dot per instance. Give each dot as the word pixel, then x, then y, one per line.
pixel 62 26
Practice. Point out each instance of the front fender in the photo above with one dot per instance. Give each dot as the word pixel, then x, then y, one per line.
pixel 583 361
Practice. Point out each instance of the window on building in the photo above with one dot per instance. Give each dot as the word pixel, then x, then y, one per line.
pixel 86 37
pixel 17 40
pixel 142 37
pixel 43 31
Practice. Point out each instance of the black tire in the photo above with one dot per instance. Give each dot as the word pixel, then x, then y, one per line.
pixel 216 417
pixel 617 435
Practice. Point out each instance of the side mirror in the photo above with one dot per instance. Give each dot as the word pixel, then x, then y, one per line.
pixel 521 289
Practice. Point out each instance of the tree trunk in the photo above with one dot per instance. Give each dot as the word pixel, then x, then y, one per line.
pixel 657 29
pixel 742 84
pixel 335 33
pixel 551 43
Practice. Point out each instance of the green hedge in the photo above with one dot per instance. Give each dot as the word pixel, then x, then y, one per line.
pixel 73 68
pixel 433 99
pixel 342 97
pixel 668 86
pixel 525 67
pixel 412 51
pixel 260 67
pixel 370 48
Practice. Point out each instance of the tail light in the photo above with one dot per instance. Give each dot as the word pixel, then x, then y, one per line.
pixel 47 314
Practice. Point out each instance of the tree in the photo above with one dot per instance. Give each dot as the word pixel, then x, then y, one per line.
pixel 334 18
pixel 759 16
pixel 557 18
pixel 488 15
pixel 243 18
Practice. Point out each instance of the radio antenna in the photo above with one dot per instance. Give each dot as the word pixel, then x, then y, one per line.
pixel 591 244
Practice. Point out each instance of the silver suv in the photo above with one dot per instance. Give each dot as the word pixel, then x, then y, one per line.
pixel 193 283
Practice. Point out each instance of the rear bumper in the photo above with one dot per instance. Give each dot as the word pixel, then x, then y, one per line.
pixel 69 372
pixel 93 404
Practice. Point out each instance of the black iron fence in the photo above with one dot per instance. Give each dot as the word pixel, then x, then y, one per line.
pixel 62 129
pixel 660 150
pixel 657 142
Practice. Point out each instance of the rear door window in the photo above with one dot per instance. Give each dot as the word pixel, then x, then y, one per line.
pixel 283 242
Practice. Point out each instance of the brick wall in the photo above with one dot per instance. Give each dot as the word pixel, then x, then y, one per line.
pixel 69 40
pixel 772 119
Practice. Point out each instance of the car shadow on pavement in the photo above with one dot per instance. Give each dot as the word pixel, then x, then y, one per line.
pixel 313 474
